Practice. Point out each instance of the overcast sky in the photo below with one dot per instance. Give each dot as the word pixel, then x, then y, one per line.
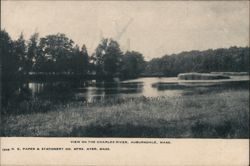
pixel 157 28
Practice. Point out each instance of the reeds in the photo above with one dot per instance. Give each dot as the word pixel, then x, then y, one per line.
pixel 215 115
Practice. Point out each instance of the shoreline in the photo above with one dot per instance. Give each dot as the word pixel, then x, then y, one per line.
pixel 215 115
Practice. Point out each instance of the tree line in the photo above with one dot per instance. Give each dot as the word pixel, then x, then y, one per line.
pixel 57 54
pixel 233 59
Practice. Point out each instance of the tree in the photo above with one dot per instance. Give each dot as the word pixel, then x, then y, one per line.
pixel 20 52
pixel 54 54
pixel 98 57
pixel 9 60
pixel 31 52
pixel 80 60
pixel 133 64
pixel 9 67
pixel 107 58
pixel 234 59
pixel 153 67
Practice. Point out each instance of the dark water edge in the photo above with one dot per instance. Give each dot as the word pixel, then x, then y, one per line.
pixel 43 96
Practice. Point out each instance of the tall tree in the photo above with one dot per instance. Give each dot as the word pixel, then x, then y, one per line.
pixel 31 52
pixel 54 54
pixel 84 59
pixel 20 52
pixel 98 57
pixel 9 67
pixel 133 64
pixel 80 60
pixel 107 58
pixel 9 60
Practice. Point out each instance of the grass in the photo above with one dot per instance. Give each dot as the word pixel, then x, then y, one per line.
pixel 215 115
pixel 232 73
pixel 201 76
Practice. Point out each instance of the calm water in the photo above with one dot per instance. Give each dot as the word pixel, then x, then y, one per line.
pixel 90 91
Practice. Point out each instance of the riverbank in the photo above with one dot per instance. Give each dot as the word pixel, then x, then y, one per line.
pixel 201 76
pixel 214 115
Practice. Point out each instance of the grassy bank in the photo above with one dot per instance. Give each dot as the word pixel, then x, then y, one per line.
pixel 214 115
pixel 232 73
pixel 201 76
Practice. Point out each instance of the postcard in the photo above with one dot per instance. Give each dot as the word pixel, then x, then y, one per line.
pixel 124 82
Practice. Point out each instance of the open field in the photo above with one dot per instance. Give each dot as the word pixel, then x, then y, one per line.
pixel 213 115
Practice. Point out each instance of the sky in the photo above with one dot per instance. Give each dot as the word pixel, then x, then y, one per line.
pixel 154 28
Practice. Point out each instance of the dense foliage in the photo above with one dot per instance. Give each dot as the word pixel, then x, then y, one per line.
pixel 107 58
pixel 234 59
pixel 57 54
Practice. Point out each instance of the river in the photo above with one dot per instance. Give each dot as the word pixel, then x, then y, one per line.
pixel 92 90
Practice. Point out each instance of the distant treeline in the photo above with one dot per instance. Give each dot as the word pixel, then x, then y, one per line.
pixel 233 59
pixel 58 55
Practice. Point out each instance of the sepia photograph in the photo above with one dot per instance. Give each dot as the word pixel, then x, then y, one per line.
pixel 125 69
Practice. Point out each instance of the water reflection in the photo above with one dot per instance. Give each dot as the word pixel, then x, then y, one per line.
pixel 90 91
pixel 36 87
